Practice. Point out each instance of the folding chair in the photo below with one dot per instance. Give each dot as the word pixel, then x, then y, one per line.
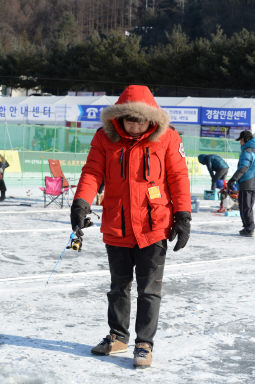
pixel 56 171
pixel 53 191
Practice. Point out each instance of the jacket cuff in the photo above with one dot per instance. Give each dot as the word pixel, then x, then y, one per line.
pixel 81 203
pixel 182 215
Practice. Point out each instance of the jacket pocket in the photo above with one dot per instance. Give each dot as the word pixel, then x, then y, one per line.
pixel 113 219
pixel 153 164
pixel 159 212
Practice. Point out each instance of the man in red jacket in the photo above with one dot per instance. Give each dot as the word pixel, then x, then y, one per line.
pixel 146 201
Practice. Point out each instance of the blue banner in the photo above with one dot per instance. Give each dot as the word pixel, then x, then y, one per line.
pixel 235 117
pixel 90 112
pixel 186 115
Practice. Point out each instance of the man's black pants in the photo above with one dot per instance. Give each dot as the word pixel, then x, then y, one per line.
pixel 149 267
pixel 220 174
pixel 246 201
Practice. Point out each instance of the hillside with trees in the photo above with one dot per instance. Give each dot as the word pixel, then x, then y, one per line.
pixel 106 44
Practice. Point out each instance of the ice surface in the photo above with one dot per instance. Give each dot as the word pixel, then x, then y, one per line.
pixel 206 331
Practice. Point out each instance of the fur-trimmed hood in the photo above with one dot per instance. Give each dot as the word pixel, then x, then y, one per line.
pixel 136 101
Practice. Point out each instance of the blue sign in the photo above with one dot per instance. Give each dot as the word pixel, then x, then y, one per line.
pixel 90 112
pixel 21 112
pixel 235 117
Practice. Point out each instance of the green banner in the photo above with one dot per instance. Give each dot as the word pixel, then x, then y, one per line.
pixel 38 161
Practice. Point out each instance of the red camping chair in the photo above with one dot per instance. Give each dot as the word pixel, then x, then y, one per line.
pixel 53 191
pixel 56 171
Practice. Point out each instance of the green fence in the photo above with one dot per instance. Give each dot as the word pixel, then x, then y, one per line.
pixel 23 137
pixel 28 148
pixel 226 148
pixel 44 138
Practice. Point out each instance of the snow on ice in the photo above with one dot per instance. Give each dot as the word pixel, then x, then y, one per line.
pixel 206 331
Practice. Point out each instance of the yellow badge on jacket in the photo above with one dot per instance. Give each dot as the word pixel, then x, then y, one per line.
pixel 154 192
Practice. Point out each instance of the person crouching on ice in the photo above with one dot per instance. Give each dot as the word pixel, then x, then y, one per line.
pixel 217 167
pixel 146 201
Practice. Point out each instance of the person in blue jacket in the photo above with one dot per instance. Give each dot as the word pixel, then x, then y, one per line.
pixel 216 166
pixel 245 178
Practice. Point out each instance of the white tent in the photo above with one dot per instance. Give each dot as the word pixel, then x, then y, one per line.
pixel 56 110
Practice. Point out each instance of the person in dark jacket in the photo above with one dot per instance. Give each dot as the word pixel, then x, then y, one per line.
pixel 245 178
pixel 3 164
pixel 217 167
pixel 146 201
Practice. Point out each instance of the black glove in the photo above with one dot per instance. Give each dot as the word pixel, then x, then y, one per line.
pixel 230 183
pixel 181 228
pixel 79 210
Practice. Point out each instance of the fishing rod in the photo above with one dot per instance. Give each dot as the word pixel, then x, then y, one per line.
pixel 74 242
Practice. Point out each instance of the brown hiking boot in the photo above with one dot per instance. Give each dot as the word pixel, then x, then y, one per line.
pixel 142 355
pixel 109 345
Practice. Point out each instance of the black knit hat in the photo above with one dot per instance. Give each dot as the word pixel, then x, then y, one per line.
pixel 246 135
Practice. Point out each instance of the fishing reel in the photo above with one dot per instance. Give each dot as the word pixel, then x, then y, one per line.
pixel 76 242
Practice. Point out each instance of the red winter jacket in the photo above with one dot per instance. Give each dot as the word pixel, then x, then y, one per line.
pixel 146 179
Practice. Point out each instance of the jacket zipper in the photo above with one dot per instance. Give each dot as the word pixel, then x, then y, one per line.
pixel 146 164
pixel 149 214
pixel 148 161
pixel 123 222
pixel 123 163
